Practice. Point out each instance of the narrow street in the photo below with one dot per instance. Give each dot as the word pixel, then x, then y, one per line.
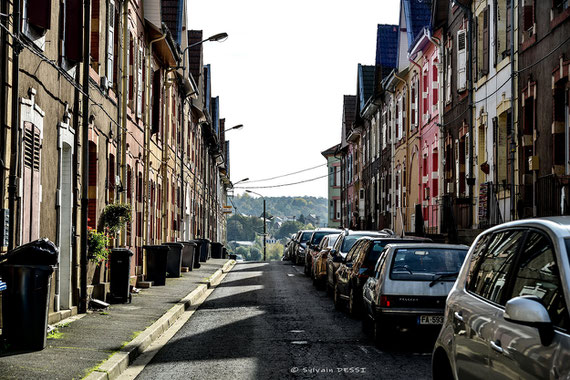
pixel 266 320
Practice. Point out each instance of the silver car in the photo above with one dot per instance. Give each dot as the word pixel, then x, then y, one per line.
pixel 409 286
pixel 506 316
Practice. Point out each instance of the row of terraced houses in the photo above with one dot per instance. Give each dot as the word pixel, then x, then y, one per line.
pixel 462 122
pixel 102 102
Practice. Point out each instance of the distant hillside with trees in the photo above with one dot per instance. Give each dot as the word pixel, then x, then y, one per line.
pixel 283 206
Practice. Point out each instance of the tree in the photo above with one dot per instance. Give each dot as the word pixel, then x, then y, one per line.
pixel 274 251
pixel 301 219
pixel 244 252
pixel 287 228
pixel 254 254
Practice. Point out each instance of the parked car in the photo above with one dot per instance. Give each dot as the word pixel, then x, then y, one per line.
pixel 287 247
pixel 408 288
pixel 358 265
pixel 313 246
pixel 507 314
pixel 337 254
pixel 300 246
pixel 319 267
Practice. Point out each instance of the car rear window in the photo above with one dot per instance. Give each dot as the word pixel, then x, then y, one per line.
pixel 425 264
pixel 306 236
pixel 378 247
pixel 318 236
pixel 332 240
pixel 349 241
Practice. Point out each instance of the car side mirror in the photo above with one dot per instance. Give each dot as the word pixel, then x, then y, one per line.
pixel 333 252
pixel 529 311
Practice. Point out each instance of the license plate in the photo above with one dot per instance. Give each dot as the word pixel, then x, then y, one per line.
pixel 431 319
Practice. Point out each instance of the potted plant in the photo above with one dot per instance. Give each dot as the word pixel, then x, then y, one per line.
pixel 114 217
pixel 98 251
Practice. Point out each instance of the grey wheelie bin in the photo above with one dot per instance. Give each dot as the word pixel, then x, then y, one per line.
pixel 27 272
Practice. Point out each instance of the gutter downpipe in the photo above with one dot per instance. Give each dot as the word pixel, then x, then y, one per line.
pixel 513 113
pixel 15 127
pixel 470 179
pixel 3 104
pixel 85 154
pixel 124 90
pixel 392 180
pixel 147 122
pixel 440 140
pixel 407 134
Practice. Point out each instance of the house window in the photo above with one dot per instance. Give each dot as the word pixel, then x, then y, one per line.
pixel 111 23
pixel 448 73
pixel 435 86
pixel 461 60
pixel 559 6
pixel 502 29
pixel 483 43
pixel 425 95
pixel 528 18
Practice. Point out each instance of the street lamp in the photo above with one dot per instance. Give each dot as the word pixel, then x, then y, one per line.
pixel 240 181
pixel 264 225
pixel 216 37
pixel 239 126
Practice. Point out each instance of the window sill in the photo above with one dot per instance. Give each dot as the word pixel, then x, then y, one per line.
pixel 559 19
pixel 481 82
pixel 528 42
pixel 504 63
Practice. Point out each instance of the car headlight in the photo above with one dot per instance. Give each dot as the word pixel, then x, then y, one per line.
pixel 301 250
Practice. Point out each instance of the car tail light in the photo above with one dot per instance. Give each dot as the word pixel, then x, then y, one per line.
pixel 363 272
pixel 324 255
pixel 385 301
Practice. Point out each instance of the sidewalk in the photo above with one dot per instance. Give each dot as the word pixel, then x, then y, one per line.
pixel 79 347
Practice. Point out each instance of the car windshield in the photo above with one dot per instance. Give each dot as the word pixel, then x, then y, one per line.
pixel 306 236
pixel 425 264
pixel 349 241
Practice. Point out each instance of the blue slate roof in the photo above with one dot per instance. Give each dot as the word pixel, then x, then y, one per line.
pixel 387 45
pixel 365 84
pixel 418 15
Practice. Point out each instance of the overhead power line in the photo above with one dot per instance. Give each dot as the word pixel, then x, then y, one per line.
pixel 284 184
pixel 285 175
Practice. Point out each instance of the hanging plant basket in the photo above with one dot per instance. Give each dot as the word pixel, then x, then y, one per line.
pixel 115 216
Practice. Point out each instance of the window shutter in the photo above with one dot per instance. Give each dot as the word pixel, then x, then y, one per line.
pixel 39 13
pixel 110 42
pixel 467 168
pixel 130 66
pixel 140 83
pixel 156 107
pixel 31 183
pixel 74 30
pixel 485 68
pixel 448 76
pixel 461 60
pixel 95 11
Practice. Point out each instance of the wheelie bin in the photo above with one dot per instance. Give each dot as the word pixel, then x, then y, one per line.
pixel 120 276
pixel 156 260
pixel 174 259
pixel 197 252
pixel 27 272
pixel 188 254
pixel 217 250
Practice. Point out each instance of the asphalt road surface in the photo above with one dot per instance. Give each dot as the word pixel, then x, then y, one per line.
pixel 267 321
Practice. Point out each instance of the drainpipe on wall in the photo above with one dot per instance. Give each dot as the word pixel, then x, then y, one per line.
pixel 15 127
pixel 147 122
pixel 513 113
pixel 85 154
pixel 123 132
pixel 3 104
pixel 470 179
pixel 441 96
pixel 407 152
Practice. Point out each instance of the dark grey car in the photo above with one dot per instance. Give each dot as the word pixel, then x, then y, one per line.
pixel 506 316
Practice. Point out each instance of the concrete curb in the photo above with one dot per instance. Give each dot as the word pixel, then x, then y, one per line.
pixel 111 368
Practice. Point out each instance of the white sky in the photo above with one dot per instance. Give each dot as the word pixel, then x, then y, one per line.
pixel 282 73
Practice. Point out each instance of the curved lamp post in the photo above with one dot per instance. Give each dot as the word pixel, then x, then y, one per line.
pixel 216 37
pixel 239 126
pixel 264 225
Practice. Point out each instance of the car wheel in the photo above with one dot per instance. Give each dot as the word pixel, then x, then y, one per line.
pixel 336 298
pixel 307 266
pixel 328 288
pixel 441 368
pixel 383 333
pixel 366 323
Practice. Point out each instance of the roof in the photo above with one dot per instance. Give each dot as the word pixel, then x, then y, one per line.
pixel 348 115
pixel 365 84
pixel 417 14
pixel 171 11
pixel 195 53
pixel 331 151
pixel 387 46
